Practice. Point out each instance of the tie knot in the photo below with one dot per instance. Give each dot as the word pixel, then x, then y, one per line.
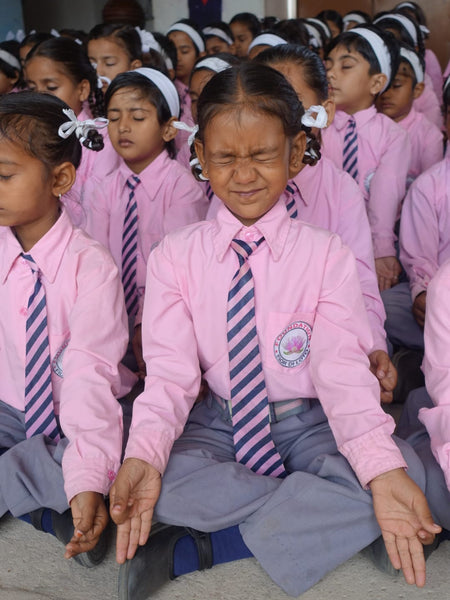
pixel 351 123
pixel 33 266
pixel 244 249
pixel 133 181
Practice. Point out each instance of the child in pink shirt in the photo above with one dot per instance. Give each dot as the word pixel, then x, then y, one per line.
pixel 142 106
pixel 270 332
pixel 374 149
pixel 10 68
pixel 61 67
pixel 397 103
pixel 62 335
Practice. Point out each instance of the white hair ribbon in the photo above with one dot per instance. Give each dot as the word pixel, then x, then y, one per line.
pixel 19 36
pixel 55 33
pixel 101 79
pixel 267 39
pixel 80 128
pixel 424 29
pixel 414 61
pixel 213 64
pixel 196 163
pixel 320 120
pixel 190 31
pixel 314 36
pixel 355 17
pixel 403 20
pixel 318 23
pixel 78 41
pixel 10 59
pixel 380 50
pixel 165 86
pixel 192 129
pixel 216 32
pixel 148 40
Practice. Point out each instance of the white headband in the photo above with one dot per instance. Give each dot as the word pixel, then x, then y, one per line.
pixel 322 25
pixel 314 36
pixel 266 39
pixel 213 64
pixel 10 59
pixel 190 31
pixel 414 61
pixel 406 5
pixel 355 18
pixel 407 24
pixel 165 86
pixel 380 49
pixel 215 31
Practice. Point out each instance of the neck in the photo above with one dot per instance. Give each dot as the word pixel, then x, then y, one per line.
pixel 351 110
pixel 29 234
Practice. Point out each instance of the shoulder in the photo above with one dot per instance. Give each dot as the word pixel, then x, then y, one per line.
pixel 85 252
pixel 182 242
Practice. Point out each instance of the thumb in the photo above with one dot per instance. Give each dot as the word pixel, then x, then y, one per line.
pixel 426 520
pixel 85 521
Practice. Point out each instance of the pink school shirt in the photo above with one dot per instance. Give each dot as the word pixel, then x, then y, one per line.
pixel 88 335
pixel 304 279
pixel 434 71
pixel 427 143
pixel 429 104
pixel 383 160
pixel 436 366
pixel 168 197
pixel 425 226
pixel 185 113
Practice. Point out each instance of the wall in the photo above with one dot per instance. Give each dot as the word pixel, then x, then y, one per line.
pixel 10 17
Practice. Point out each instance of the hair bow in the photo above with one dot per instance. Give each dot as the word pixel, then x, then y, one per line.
pixel 80 128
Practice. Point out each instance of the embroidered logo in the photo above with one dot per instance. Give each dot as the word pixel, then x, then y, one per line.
pixel 292 345
pixel 58 358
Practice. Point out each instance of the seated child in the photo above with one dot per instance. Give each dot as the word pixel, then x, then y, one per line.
pixel 245 27
pixel 219 38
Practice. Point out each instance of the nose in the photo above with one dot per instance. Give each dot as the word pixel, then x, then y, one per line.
pixel 124 124
pixel 244 172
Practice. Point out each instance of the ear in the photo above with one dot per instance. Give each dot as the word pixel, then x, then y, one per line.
pixel 200 152
pixel 330 106
pixel 168 130
pixel 418 90
pixel 377 83
pixel 135 64
pixel 84 89
pixel 298 147
pixel 63 178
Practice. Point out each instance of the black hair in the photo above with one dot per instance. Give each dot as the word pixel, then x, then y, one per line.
pixel 12 47
pixel 415 11
pixel 35 38
pixel 76 64
pixel 222 26
pixel 249 20
pixel 293 31
pixel 268 22
pixel 32 120
pixel 390 23
pixel 195 27
pixel 168 47
pixel 75 34
pixel 333 16
pixel 149 91
pixel 353 41
pixel 125 35
pixel 320 31
pixel 402 59
pixel 257 87
pixel 446 93
pixel 361 13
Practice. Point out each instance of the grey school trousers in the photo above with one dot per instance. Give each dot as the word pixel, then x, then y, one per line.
pixel 401 327
pixel 299 528
pixel 30 469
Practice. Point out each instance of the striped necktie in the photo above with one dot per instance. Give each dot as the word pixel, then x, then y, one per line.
pixel 350 153
pixel 252 438
pixel 129 249
pixel 39 415
pixel 291 205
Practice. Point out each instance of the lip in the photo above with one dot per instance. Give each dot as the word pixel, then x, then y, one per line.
pixel 125 143
pixel 247 194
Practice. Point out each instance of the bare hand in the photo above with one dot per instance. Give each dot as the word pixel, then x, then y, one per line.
pixel 388 270
pixel 405 520
pixel 132 499
pixel 90 518
pixel 419 307
pixel 383 369
pixel 136 344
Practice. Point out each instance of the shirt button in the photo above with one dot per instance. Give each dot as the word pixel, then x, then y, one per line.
pixel 23 311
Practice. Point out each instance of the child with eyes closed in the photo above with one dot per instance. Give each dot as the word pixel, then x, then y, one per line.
pixel 245 27
pixel 150 193
pixel 258 462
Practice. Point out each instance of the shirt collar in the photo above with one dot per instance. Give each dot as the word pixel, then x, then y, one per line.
pixel 304 175
pixel 361 117
pixel 47 253
pixel 274 226
pixel 152 177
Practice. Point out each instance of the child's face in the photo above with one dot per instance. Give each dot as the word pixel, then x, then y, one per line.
pixel 134 130
pixel 198 81
pixel 6 83
pixel 242 38
pixel 214 45
pixel 351 86
pixel 248 160
pixel 46 75
pixel 186 55
pixel 110 58
pixel 396 102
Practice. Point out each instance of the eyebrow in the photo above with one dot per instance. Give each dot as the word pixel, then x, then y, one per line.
pixel 5 161
pixel 134 109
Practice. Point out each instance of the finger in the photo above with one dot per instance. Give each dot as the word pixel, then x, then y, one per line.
pixel 72 549
pixel 418 562
pixel 386 397
pixel 146 526
pixel 85 521
pixel 122 541
pixel 120 501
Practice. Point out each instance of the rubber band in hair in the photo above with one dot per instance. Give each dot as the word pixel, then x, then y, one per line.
pixel 9 58
pixel 213 63
pixel 320 120
pixel 310 151
pixel 322 25
pixel 314 36
pixel 216 32
pixel 164 85
pixel 380 50
pixel 80 128
pixel 148 41
pixel 267 39
pixel 355 18
pixel 413 60
pixel 407 24
pixel 190 31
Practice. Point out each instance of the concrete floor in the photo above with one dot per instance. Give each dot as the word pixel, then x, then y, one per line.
pixel 33 568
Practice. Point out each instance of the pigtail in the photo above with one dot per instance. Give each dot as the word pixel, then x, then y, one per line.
pixel 312 153
pixel 93 140
pixel 96 100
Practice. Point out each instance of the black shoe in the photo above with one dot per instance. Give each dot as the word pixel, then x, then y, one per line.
pixel 63 528
pixel 152 565
pixel 408 363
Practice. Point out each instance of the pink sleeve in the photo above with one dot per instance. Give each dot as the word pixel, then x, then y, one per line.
pixel 91 417
pixel 339 345
pixel 97 211
pixel 387 190
pixel 436 367
pixel 429 104
pixel 433 68
pixel 188 203
pixel 433 147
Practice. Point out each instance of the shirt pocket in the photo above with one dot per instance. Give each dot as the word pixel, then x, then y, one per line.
pixel 287 341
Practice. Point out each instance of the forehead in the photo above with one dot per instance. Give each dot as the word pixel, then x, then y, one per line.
pixel 405 69
pixel 239 28
pixel 12 152
pixel 107 46
pixel 127 97
pixel 200 78
pixel 180 38
pixel 41 66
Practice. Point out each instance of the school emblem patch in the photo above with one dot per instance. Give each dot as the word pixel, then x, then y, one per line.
pixel 58 358
pixel 292 345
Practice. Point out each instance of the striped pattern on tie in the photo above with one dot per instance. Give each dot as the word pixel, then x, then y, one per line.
pixel 209 192
pixel 252 438
pixel 129 249
pixel 39 415
pixel 350 152
pixel 291 205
